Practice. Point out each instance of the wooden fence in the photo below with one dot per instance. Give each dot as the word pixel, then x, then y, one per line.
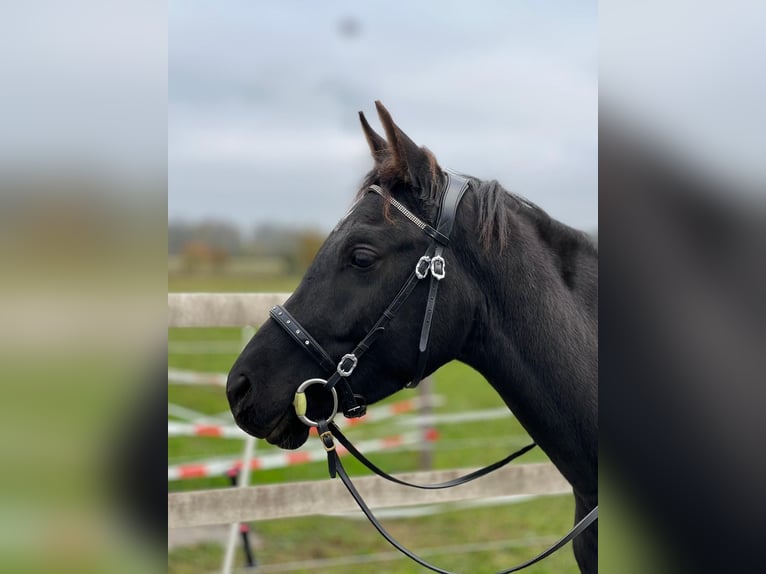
pixel 285 500
pixel 221 309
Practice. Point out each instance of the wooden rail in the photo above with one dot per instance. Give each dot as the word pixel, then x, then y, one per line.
pixel 221 309
pixel 292 499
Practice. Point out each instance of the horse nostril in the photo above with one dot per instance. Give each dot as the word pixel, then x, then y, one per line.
pixel 236 388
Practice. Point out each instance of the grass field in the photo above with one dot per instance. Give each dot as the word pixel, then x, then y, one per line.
pixel 466 540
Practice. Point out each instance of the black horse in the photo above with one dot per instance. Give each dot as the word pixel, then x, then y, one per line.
pixel 518 303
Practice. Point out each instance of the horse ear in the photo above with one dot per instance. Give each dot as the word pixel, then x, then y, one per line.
pixel 415 164
pixel 378 145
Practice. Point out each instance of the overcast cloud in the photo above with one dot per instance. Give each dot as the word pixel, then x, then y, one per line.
pixel 262 123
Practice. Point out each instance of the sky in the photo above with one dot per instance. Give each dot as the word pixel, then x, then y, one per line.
pixel 263 101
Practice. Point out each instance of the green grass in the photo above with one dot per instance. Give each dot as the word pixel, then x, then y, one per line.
pixel 317 538
pixel 464 445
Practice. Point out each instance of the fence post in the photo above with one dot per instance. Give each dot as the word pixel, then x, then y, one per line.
pixel 425 392
pixel 244 479
pixel 244 528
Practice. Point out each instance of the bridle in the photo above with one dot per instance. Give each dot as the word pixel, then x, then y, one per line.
pixel 431 264
pixel 353 405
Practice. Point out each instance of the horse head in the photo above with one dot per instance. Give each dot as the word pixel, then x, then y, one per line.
pixel 356 274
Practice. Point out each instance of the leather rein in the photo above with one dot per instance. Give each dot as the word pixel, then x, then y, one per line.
pixel 354 405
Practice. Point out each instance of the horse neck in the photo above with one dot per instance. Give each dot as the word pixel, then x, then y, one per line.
pixel 535 341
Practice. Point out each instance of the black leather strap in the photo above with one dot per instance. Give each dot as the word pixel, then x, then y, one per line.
pixel 393 308
pixel 342 439
pixel 425 330
pixel 323 429
pixel 337 465
pixel 301 336
pixel 456 186
pixel 351 408
pixel 436 235
pixel 352 404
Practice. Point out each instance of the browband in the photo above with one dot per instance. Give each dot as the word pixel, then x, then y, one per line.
pixel 427 229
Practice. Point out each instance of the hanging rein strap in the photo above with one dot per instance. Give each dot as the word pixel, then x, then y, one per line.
pixel 342 439
pixel 335 467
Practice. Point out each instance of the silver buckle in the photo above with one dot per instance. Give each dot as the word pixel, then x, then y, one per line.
pixel 438 267
pixel 346 372
pixel 422 266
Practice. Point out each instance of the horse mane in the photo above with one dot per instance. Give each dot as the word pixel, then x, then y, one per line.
pixel 496 209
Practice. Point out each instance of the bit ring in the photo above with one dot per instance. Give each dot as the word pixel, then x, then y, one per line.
pixel 300 404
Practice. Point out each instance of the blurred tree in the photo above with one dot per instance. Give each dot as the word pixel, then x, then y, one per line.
pixel 195 255
pixel 211 244
pixel 218 258
pixel 221 235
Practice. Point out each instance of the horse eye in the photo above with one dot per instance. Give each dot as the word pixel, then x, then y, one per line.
pixel 363 258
